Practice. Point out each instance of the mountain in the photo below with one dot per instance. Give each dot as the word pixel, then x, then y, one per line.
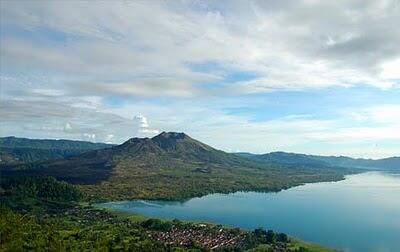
pixel 286 158
pixel 20 150
pixel 392 163
pixel 170 165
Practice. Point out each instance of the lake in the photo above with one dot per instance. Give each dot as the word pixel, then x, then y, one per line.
pixel 358 214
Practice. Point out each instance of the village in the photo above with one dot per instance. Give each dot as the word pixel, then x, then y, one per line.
pixel 204 235
pixel 178 233
pixel 173 233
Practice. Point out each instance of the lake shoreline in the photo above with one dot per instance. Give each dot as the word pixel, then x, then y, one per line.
pixel 135 217
pixel 139 217
pixel 330 196
pixel 258 190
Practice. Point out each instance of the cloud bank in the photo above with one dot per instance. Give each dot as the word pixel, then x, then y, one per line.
pixel 79 69
pixel 156 48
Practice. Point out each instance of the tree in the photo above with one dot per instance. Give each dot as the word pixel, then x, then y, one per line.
pixel 302 249
pixel 270 236
pixel 282 237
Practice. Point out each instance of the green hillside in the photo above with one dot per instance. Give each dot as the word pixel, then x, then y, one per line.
pixel 392 163
pixel 19 150
pixel 170 166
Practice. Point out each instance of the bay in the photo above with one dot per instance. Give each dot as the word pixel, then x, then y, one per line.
pixel 358 214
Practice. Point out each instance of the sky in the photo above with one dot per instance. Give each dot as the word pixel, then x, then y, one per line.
pixel 317 77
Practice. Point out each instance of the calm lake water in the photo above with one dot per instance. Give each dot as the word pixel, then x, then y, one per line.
pixel 358 214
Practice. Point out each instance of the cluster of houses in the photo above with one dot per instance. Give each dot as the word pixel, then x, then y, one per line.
pixel 203 235
pixel 206 236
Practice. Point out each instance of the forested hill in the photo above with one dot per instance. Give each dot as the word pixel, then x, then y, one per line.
pixel 20 150
pixel 170 165
pixel 392 163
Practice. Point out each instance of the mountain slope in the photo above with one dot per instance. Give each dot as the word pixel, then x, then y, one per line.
pixel 392 163
pixel 19 150
pixel 289 158
pixel 170 166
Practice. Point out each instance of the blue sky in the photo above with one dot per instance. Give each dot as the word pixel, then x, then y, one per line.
pixel 307 76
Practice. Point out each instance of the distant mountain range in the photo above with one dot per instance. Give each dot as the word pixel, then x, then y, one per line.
pixel 21 150
pixel 392 163
pixel 14 150
pixel 169 165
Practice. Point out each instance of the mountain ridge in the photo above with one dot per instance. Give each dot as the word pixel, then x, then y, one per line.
pixel 389 163
pixel 14 150
pixel 170 165
pixel 13 141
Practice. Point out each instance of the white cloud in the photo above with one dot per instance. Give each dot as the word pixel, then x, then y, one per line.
pixel 68 62
pixel 89 136
pixel 204 121
pixel 47 92
pixel 67 127
pixel 385 114
pixel 144 127
pixel 391 69
pixel 127 51
pixel 381 114
pixel 142 121
pixel 109 138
